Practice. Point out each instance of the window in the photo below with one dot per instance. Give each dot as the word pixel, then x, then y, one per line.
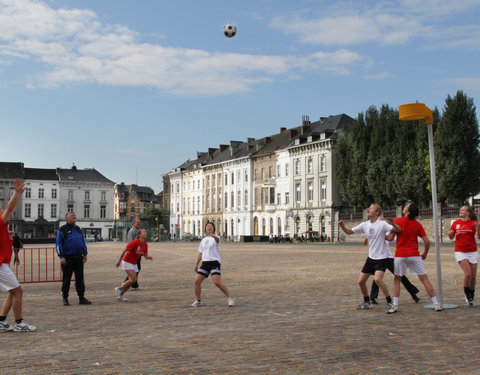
pixel 219 201
pixel 287 198
pixel 40 210
pixel 28 210
pixel 233 178
pixel 263 174
pixel 103 211
pixel 239 199
pixel 198 204
pixel 278 170
pixel 256 175
pixel 219 179
pixel 53 210
pixel 310 165
pixel 270 172
pixel 256 197
pixel 226 200
pixel 103 195
pixel 238 176
pixel 232 196
pixel 297 167
pixel 245 198
pixel 54 194
pixel 172 189
pixel 86 211
pixel 226 179
pixel 178 187
pixel 87 197
pixel 272 195
pixel 323 190
pixel 213 181
pixel 286 169
pixel 264 195
pixel 70 208
pixel 245 173
pixel 207 181
pixel 70 195
pixel 28 193
pixel 323 163
pixel 298 193
pixel 41 193
pixel 178 207
pixel 214 201
pixel 208 201
pixel 279 198
pixel 310 191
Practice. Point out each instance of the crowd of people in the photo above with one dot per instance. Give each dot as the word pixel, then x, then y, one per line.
pixel 404 231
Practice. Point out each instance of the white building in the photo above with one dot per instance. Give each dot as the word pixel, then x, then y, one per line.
pixel 90 195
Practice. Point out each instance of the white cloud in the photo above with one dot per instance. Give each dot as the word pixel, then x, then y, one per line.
pixel 74 47
pixel 380 75
pixel 466 83
pixel 384 23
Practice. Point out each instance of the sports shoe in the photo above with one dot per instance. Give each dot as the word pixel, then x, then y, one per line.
pixel 24 327
pixel 416 298
pixel 365 305
pixel 118 291
pixel 438 307
pixel 84 301
pixel 231 301
pixel 65 302
pixel 373 301
pixel 5 326
pixel 392 309
pixel 197 303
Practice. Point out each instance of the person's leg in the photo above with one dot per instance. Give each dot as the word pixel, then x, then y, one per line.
pixel 14 301
pixel 67 271
pixel 428 285
pixel 139 266
pixel 217 280
pixel 79 280
pixel 374 290
pixel 473 268
pixel 132 278
pixel 379 280
pixel 362 283
pixel 6 305
pixel 198 285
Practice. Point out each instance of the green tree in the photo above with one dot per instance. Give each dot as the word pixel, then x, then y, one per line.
pixel 456 150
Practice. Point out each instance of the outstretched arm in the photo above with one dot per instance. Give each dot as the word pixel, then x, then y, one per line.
pixel 426 242
pixel 344 228
pixel 12 203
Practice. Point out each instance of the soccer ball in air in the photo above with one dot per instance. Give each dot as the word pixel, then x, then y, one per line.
pixel 229 30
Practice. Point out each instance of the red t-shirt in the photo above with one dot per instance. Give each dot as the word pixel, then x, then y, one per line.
pixel 5 243
pixel 135 250
pixel 465 235
pixel 407 239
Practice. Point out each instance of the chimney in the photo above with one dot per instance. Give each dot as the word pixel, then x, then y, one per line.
pixel 292 133
pixel 305 124
pixel 223 147
pixel 282 130
pixel 250 140
pixel 267 140
pixel 234 146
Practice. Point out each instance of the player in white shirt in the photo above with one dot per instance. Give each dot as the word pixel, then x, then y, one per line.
pixel 378 254
pixel 209 255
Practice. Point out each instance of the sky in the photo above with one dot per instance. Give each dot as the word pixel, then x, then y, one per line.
pixel 133 88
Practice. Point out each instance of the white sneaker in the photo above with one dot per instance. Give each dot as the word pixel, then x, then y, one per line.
pixel 118 291
pixel 196 303
pixel 5 326
pixel 438 307
pixel 392 309
pixel 24 327
pixel 231 301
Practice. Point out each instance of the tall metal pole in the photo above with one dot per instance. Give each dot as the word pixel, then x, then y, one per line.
pixel 433 179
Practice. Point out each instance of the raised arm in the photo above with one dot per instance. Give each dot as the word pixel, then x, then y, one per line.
pixel 426 242
pixel 344 228
pixel 12 203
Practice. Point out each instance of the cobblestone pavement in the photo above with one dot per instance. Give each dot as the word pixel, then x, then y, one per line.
pixel 295 314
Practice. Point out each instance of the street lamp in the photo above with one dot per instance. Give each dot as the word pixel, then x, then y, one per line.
pixel 419 111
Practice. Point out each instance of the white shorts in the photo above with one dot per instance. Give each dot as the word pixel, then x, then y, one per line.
pixel 472 257
pixel 129 266
pixel 8 280
pixel 415 264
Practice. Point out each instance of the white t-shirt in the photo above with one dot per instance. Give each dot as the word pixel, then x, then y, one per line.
pixel 210 249
pixel 375 233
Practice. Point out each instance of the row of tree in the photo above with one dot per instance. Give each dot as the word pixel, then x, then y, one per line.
pixel 384 160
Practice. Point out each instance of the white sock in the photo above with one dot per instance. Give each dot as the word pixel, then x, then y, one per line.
pixel 395 301
pixel 434 300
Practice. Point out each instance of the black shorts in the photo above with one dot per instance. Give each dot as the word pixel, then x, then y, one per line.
pixel 209 267
pixel 373 265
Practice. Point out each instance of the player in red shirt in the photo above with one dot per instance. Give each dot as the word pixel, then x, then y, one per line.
pixel 134 250
pixel 8 281
pixel 408 256
pixel 466 253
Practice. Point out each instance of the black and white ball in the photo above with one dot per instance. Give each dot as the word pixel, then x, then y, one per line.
pixel 229 30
